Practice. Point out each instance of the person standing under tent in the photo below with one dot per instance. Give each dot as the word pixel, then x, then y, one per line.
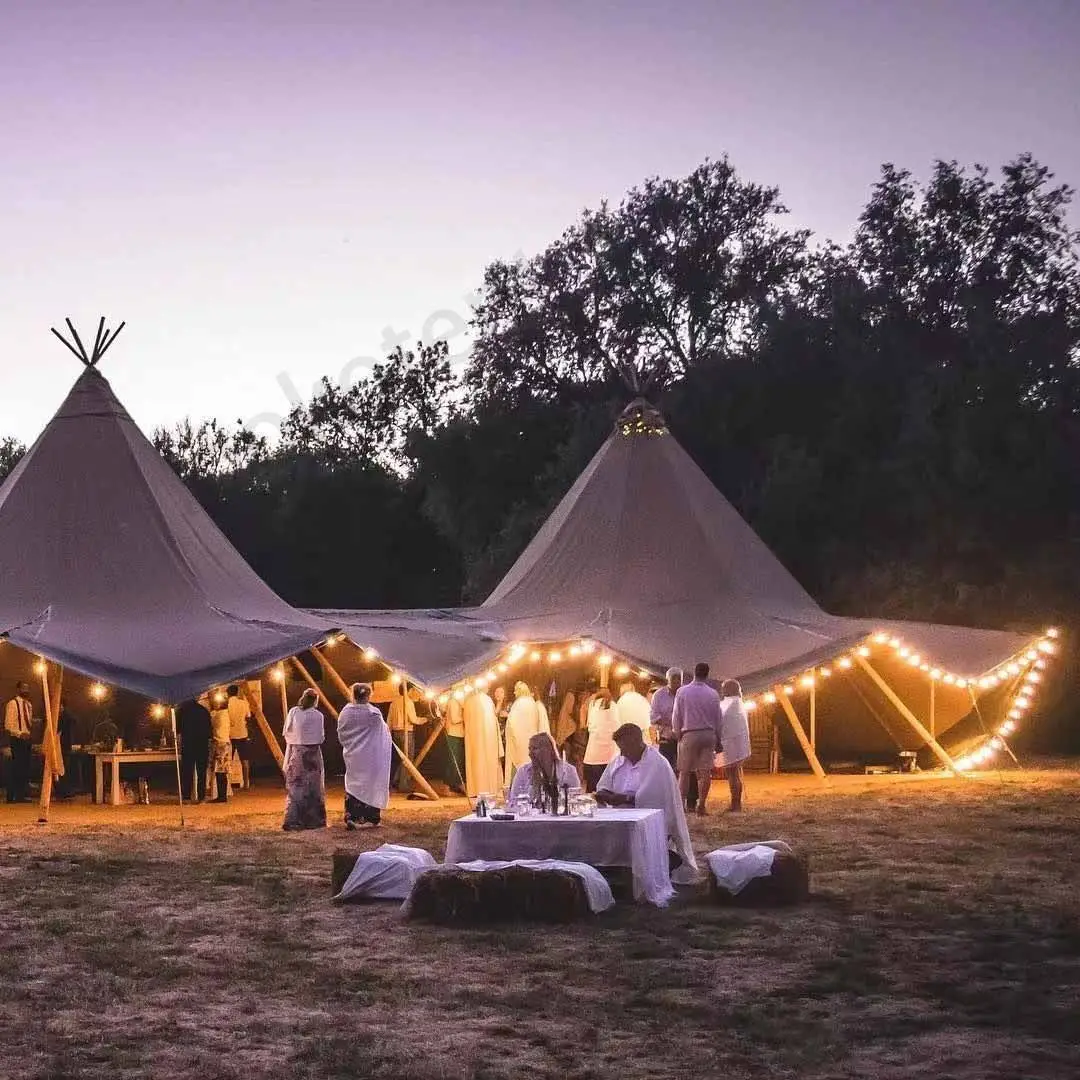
pixel 239 715
pixel 696 721
pixel 634 709
pixel 542 711
pixel 660 710
pixel 65 731
pixel 734 739
pixel 572 730
pixel 483 747
pixel 366 746
pixel 220 749
pixel 305 778
pixel 193 725
pixel 600 749
pixel 402 719
pixel 524 721
pixel 18 723
pixel 455 745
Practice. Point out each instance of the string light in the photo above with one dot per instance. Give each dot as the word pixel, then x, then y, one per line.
pixel 219 695
pixel 604 659
pixel 444 699
pixel 789 690
pixel 39 667
pixel 516 653
pixel 395 678
pixel 770 698
pixel 844 663
pixel 588 647
pixel 277 674
pixel 863 650
pixel 535 657
pixel 555 657
pixel 575 650
pixel 98 691
pixel 623 669
pixel 643 674
pixel 157 712
pixel 806 682
pixel 370 655
pixel 825 672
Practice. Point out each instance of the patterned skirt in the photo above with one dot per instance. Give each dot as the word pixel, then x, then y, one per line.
pixel 220 755
pixel 305 788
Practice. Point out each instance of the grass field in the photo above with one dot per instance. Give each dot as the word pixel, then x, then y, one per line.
pixel 942 940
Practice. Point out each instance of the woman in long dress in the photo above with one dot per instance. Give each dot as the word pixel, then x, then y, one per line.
pixel 305 779
pixel 220 749
pixel 482 749
pixel 601 748
pixel 524 721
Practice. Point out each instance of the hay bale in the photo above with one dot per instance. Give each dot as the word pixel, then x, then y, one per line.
pixel 788 883
pixel 451 896
pixel 341 867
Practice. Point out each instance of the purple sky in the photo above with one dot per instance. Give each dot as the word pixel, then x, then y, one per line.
pixel 260 188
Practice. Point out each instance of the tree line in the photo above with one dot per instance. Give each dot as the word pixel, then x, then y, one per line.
pixel 898 416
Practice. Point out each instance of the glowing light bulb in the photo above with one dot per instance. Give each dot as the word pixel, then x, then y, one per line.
pixel 99 690
pixel 844 663
pixel 1053 632
pixel 503 669
pixel 555 657
pixel 370 655
pixel 985 683
pixel 881 639
pixel 914 659
pixel 157 712
pixel 444 699
pixel 39 667
pixel 806 682
pixel 458 695
pixel 1032 677
pixel 825 672
pixel 643 674
pixel 277 674
pixel 863 650
pixel 895 642
pixel 905 652
pixel 534 656
pixel 1047 647
pixel 395 678
pixel 604 659
pixel 1032 654
pixel 789 690
pixel 961 683
pixel 1013 669
pixel 516 653
pixel 623 669
pixel 574 650
pixel 588 647
pixel 770 698
pixel 935 673
pixel 950 678
pixel 750 704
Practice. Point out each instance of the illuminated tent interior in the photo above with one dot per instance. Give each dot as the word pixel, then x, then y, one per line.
pixel 645 565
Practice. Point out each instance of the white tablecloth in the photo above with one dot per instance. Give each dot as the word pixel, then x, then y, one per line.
pixel 634 838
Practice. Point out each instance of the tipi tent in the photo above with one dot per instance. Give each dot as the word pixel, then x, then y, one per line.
pixel 646 559
pixel 112 568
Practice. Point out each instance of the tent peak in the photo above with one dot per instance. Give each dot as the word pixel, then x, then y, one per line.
pixel 641 417
pixel 102 340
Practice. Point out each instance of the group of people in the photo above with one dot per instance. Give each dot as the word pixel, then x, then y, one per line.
pixel 210 733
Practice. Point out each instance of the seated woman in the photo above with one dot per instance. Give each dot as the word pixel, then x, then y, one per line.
pixel 542 768
pixel 640 776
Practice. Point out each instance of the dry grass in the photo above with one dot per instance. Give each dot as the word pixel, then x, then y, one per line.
pixel 942 940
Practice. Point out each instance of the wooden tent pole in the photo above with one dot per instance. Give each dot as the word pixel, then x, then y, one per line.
pixel 800 734
pixel 338 681
pixel 176 756
pixel 264 725
pixel 813 717
pixel 907 714
pixel 54 759
pixel 430 742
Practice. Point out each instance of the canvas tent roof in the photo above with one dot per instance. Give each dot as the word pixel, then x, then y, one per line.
pixel 112 568
pixel 645 555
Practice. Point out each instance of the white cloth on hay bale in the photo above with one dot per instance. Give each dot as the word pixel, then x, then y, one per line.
pixel 734 867
pixel 597 890
pixel 387 873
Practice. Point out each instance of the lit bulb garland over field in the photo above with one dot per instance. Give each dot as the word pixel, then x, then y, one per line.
pixel 1028 668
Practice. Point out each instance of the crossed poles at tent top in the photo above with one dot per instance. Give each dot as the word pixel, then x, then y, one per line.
pixel 102 340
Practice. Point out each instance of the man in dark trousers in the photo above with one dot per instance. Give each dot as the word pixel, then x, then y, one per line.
pixel 18 721
pixel 193 727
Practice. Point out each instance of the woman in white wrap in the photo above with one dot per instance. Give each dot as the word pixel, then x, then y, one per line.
pixel 641 776
pixel 525 721
pixel 600 749
pixel 634 709
pixel 734 739
pixel 482 745
pixel 366 746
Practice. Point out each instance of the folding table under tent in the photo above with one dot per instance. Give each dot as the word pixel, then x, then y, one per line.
pixel 645 565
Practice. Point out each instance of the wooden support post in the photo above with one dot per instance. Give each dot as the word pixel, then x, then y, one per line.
pixel 933 729
pixel 264 725
pixel 54 759
pixel 410 768
pixel 426 748
pixel 800 734
pixel 813 717
pixel 907 714
pixel 176 755
pixel 335 677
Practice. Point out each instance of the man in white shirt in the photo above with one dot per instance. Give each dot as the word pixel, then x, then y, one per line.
pixel 455 744
pixel 402 719
pixel 634 709
pixel 696 721
pixel 640 776
pixel 18 722
pixel 239 715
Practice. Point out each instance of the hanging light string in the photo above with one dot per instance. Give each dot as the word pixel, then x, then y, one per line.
pixel 1027 670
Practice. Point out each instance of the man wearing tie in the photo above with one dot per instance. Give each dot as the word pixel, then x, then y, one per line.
pixel 18 717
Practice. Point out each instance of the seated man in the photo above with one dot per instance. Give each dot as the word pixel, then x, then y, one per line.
pixel 541 769
pixel 641 776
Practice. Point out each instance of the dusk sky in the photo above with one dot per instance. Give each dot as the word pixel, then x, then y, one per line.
pixel 261 189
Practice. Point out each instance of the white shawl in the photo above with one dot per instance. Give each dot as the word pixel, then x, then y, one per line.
pixel 366 747
pixel 482 749
pixel 734 731
pixel 657 789
pixel 525 721
pixel 634 709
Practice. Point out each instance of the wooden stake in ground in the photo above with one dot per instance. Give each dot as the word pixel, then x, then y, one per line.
pixel 54 759
pixel 340 683
pixel 800 734
pixel 907 714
